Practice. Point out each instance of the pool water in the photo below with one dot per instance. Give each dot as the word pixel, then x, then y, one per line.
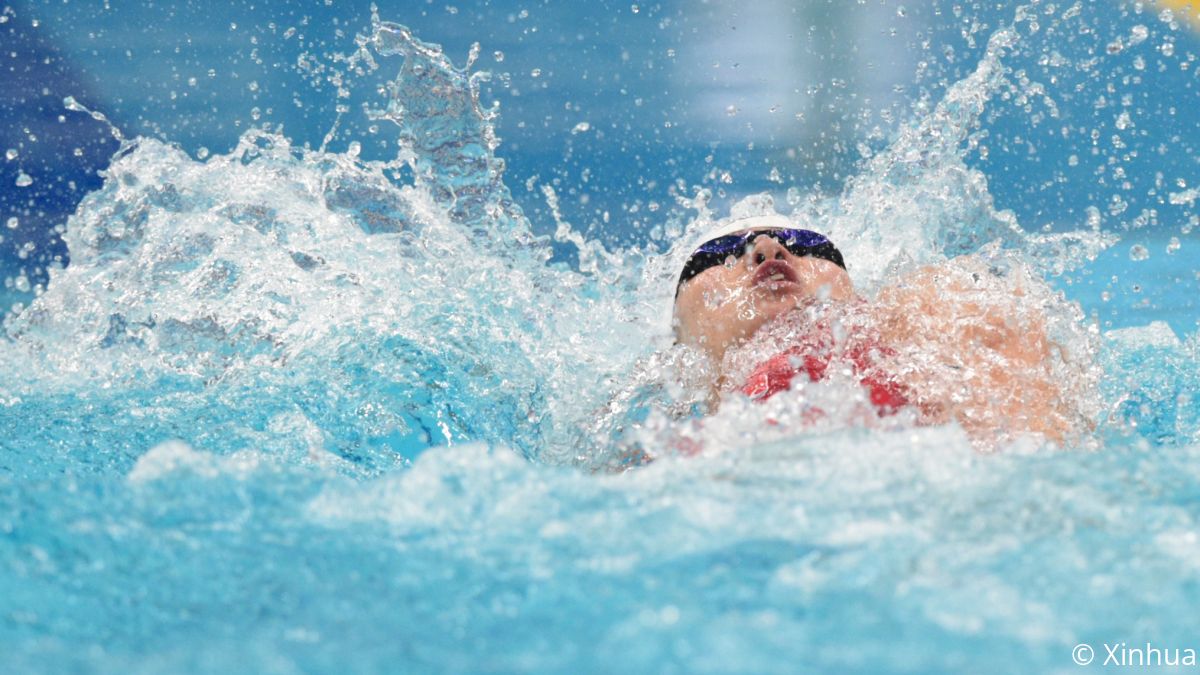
pixel 296 409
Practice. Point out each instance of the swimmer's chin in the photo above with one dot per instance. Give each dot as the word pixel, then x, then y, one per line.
pixel 784 297
pixel 778 287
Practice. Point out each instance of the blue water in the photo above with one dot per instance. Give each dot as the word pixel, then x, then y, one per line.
pixel 353 408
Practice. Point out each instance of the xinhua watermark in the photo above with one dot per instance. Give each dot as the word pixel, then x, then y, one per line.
pixel 1122 654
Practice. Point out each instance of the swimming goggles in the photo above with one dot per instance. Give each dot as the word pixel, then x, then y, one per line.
pixel 798 242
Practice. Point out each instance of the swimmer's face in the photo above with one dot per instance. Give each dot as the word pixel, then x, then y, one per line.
pixel 725 304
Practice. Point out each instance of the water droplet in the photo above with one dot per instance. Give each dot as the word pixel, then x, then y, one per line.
pixel 78 152
pixel 536 72
pixel 13 223
pixel 1168 49
pixel 635 9
pixel 1137 253
pixel 232 26
pixel 354 149
pixel 24 179
pixel 1073 160
pixel 1138 35
pixel 1173 245
pixel 1105 296
pixel 581 127
pixel 901 11
pixel 10 154
pixel 255 113
pixel 253 86
pixel 498 55
pixel 202 153
pixel 1123 121
pixel 731 110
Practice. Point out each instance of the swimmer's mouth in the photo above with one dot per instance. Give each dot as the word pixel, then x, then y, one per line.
pixel 775 274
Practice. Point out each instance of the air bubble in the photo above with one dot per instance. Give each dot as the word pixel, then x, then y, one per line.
pixel 1173 245
pixel 10 154
pixel 354 149
pixel 24 179
pixel 1137 252
pixel 13 223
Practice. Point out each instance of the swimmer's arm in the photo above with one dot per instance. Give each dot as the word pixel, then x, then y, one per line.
pixel 986 352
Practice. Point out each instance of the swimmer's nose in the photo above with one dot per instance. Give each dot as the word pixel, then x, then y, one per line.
pixel 766 248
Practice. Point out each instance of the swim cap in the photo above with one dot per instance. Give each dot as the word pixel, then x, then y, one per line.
pixel 741 224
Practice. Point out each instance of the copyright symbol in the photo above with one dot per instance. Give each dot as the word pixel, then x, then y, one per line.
pixel 1082 654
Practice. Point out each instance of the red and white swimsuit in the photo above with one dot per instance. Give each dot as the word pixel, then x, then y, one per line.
pixel 813 359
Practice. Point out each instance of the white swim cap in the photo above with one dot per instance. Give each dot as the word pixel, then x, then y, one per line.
pixel 732 225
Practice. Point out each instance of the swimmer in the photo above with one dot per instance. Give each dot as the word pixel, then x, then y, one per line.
pixel 768 302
